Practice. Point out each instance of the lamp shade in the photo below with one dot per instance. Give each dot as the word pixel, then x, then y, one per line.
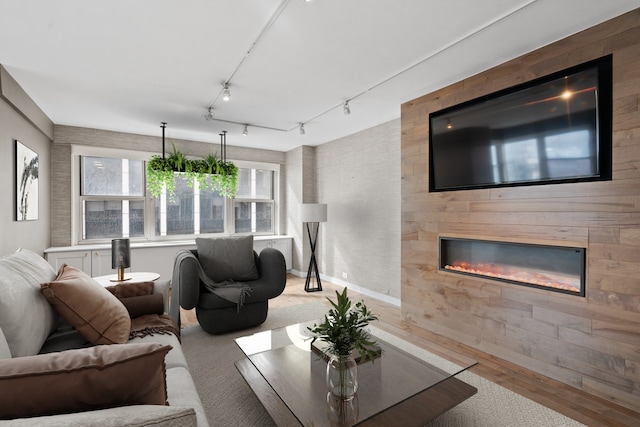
pixel 120 253
pixel 313 212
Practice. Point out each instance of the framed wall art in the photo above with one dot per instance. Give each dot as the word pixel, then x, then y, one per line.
pixel 26 183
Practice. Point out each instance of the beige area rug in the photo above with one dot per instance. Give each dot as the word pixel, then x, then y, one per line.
pixel 228 400
pixel 492 406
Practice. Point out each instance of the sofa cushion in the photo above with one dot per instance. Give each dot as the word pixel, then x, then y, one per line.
pixel 78 380
pixel 95 312
pixel 175 358
pixel 228 258
pixel 65 337
pixel 123 416
pixel 183 392
pixel 25 316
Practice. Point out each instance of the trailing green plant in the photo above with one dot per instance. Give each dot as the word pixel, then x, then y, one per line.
pixel 160 174
pixel 210 172
pixel 343 328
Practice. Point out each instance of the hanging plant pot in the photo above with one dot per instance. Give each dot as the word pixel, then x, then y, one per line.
pixel 161 174
pixel 211 172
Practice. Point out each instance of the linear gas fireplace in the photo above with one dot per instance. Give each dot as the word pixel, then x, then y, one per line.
pixel 555 268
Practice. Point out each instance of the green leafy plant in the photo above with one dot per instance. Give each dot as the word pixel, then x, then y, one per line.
pixel 343 328
pixel 210 172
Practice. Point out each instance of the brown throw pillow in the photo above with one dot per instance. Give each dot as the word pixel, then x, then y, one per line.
pixel 97 314
pixel 145 304
pixel 229 258
pixel 98 377
pixel 127 290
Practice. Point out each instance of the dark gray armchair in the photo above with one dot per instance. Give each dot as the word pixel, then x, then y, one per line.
pixel 217 315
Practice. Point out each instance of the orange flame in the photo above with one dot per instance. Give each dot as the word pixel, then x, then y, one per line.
pixel 545 279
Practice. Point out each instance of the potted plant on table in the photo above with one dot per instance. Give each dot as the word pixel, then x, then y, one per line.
pixel 343 331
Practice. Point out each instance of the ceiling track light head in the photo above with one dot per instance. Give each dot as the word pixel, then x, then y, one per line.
pixel 346 108
pixel 226 93
pixel 209 115
pixel 245 130
pixel 302 131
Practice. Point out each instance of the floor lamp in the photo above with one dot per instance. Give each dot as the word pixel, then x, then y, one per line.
pixel 313 213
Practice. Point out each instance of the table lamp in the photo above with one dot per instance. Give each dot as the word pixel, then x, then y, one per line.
pixel 120 257
pixel 313 214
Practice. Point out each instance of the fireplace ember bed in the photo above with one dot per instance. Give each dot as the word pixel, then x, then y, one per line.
pixel 554 268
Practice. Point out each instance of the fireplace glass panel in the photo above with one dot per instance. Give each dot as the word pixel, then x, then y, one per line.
pixel 556 268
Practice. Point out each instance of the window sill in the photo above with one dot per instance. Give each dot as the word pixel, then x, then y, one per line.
pixel 153 244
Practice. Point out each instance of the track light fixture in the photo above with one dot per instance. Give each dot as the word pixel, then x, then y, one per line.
pixel 208 116
pixel 245 131
pixel 302 131
pixel 346 108
pixel 226 93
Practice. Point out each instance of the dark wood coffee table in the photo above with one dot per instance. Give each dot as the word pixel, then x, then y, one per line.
pixel 396 389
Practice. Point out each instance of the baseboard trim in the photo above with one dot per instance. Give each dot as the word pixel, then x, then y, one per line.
pixel 353 286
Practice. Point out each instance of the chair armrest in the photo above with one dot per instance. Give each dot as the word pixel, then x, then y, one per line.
pixel 273 271
pixel 186 282
pixel 162 286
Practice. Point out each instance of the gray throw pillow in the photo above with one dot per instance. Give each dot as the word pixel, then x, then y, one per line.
pixel 229 258
pixel 26 318
pixel 5 353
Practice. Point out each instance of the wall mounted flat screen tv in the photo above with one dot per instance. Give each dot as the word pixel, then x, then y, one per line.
pixel 553 129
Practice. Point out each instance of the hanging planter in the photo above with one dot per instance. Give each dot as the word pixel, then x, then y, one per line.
pixel 211 172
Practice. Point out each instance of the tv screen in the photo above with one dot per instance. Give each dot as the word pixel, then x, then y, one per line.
pixel 553 129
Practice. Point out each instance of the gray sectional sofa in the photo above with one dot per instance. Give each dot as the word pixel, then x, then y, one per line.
pixel 32 333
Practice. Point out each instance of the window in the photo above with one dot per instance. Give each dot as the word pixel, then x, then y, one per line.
pixel 253 205
pixel 191 210
pixel 113 203
pixel 112 198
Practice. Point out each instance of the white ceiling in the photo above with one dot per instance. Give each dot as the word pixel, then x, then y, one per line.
pixel 128 65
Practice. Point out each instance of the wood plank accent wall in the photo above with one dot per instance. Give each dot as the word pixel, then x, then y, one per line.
pixel 591 343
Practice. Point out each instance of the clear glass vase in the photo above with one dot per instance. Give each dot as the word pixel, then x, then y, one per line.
pixel 342 413
pixel 342 376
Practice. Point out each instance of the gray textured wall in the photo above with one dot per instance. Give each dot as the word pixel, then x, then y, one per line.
pixel 21 119
pixel 293 172
pixel 358 177
pixel 300 170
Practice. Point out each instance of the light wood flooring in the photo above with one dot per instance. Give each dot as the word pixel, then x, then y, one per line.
pixel 567 400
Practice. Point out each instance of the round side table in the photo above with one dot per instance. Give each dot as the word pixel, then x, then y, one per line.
pixel 112 279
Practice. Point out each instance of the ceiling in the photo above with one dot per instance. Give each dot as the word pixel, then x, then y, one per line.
pixel 127 65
